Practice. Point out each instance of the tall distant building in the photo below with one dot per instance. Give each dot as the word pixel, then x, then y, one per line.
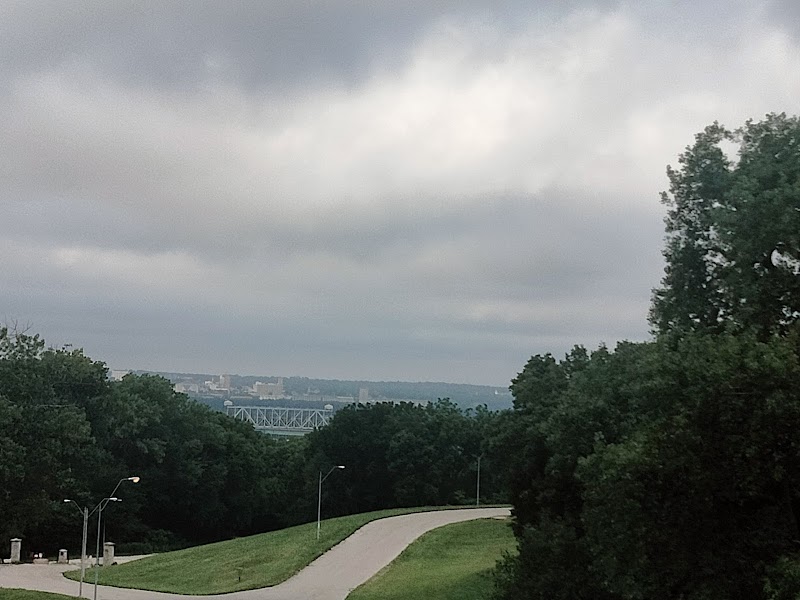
pixel 363 395
pixel 225 382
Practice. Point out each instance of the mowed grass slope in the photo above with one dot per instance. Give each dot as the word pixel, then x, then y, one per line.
pixel 15 594
pixel 240 564
pixel 453 562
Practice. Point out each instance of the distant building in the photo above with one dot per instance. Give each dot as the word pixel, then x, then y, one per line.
pixel 225 382
pixel 117 374
pixel 363 395
pixel 186 387
pixel 269 390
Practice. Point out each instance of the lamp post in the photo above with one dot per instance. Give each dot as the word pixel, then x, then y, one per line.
pixel 478 483
pixel 134 479
pixel 99 508
pixel 319 495
pixel 85 513
pixel 103 503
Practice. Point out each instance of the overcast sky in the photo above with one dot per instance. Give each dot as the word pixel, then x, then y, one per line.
pixel 398 190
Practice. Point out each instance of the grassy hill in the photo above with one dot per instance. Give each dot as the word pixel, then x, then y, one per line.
pixel 453 562
pixel 239 564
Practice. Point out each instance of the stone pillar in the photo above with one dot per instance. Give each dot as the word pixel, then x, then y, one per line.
pixel 62 557
pixel 108 553
pixel 16 548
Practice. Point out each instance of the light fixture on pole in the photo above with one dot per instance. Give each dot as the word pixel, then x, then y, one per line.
pixel 478 483
pixel 134 479
pixel 319 494
pixel 103 503
pixel 99 508
pixel 85 513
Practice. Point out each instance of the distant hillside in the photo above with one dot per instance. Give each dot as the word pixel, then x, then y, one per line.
pixel 465 395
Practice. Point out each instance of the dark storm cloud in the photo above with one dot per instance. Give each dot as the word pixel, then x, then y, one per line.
pixel 785 14
pixel 255 44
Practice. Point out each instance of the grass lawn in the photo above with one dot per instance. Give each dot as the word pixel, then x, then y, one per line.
pixel 449 563
pixel 239 564
pixel 15 594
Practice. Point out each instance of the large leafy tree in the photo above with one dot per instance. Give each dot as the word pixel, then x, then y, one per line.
pixel 701 498
pixel 668 469
pixel 564 410
pixel 733 231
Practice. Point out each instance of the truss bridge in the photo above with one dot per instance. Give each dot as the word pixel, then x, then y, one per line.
pixel 281 421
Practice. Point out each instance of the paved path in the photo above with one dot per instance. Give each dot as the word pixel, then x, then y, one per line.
pixel 331 577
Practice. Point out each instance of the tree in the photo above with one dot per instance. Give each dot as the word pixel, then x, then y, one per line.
pixel 45 438
pixel 669 469
pixel 564 410
pixel 701 498
pixel 732 245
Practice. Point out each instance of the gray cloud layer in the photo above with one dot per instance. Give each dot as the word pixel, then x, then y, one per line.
pixel 419 190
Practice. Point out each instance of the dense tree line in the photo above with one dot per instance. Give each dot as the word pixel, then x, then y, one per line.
pixel 68 432
pixel 671 469
pixel 409 455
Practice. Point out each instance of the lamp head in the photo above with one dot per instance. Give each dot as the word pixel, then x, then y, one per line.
pixel 67 500
pixel 115 499
pixel 340 466
pixel 134 479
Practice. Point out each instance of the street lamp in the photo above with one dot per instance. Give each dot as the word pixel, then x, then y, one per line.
pixel 99 508
pixel 134 479
pixel 478 483
pixel 85 513
pixel 103 503
pixel 319 496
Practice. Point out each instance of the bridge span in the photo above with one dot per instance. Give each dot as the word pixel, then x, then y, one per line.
pixel 281 421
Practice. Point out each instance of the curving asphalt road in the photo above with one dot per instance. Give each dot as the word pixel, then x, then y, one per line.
pixel 331 577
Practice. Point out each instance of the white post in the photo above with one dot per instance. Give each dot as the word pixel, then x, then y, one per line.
pixel 108 553
pixel 16 548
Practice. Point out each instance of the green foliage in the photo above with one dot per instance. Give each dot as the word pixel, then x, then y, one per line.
pixel 404 455
pixel 671 469
pixel 44 436
pixel 563 411
pixel 662 470
pixel 450 563
pixel 782 581
pixel 16 594
pixel 733 254
pixel 711 479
